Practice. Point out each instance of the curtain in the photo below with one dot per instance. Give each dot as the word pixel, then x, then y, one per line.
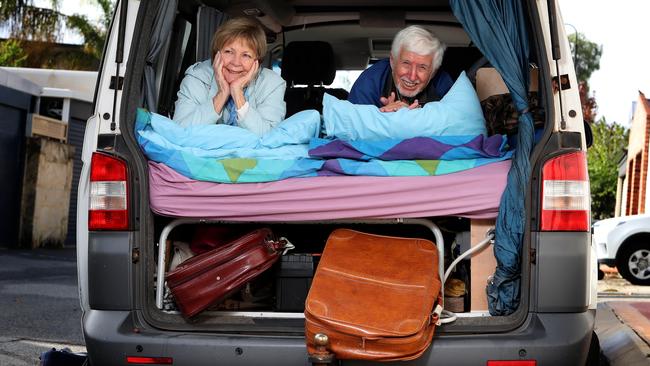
pixel 159 33
pixel 498 29
pixel 207 21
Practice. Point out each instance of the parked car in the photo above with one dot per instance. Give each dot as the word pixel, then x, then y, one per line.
pixel 624 242
pixel 122 240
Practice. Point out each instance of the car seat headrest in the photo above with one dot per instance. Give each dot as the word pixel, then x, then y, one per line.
pixel 308 62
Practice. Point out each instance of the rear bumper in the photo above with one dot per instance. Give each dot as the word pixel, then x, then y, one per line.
pixel 551 339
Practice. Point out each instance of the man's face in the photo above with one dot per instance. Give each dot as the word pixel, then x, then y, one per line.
pixel 411 72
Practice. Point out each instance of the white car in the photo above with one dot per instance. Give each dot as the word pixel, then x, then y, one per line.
pixel 624 242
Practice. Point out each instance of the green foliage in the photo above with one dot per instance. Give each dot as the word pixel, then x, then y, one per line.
pixel 94 35
pixel 587 56
pixel 28 22
pixel 12 53
pixel 610 140
pixel 107 12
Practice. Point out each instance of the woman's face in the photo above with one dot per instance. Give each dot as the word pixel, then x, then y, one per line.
pixel 238 58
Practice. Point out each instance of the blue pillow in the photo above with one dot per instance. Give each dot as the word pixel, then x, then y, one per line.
pixel 458 113
pixel 297 129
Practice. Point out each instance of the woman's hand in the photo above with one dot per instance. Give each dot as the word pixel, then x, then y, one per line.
pixel 237 86
pixel 242 82
pixel 224 91
pixel 217 65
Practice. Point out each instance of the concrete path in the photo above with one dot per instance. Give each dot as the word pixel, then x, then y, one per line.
pixel 617 326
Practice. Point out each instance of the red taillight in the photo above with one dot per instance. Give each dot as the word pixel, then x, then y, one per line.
pixel 512 363
pixel 150 360
pixel 108 208
pixel 565 193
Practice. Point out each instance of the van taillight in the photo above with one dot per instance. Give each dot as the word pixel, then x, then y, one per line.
pixel 150 360
pixel 512 363
pixel 565 193
pixel 108 193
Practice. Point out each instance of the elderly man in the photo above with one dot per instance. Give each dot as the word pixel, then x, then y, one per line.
pixel 409 78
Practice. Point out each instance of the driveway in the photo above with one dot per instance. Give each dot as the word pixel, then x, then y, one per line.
pixel 623 320
pixel 39 302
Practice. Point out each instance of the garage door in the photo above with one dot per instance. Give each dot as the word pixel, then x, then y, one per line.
pixel 14 106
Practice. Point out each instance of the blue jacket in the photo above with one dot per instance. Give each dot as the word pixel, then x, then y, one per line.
pixel 265 96
pixel 371 83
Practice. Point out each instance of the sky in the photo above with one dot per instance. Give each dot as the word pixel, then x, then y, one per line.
pixel 622 28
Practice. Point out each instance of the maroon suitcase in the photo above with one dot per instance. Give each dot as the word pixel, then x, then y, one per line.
pixel 208 278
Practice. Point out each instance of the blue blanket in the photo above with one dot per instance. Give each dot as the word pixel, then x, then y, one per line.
pixel 227 154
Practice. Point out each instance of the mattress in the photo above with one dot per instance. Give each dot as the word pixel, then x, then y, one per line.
pixel 474 193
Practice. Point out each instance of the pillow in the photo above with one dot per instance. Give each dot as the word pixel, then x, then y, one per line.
pixel 297 129
pixel 458 113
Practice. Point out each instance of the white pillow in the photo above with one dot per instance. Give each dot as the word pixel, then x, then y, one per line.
pixel 458 113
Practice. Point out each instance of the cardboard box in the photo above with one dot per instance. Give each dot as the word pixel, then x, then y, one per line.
pixel 49 127
pixel 483 265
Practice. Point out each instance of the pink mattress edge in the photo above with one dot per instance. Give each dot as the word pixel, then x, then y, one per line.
pixel 473 193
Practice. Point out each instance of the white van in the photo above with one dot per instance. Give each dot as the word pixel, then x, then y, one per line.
pixel 128 218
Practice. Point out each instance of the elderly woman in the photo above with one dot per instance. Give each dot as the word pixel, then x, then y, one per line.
pixel 231 88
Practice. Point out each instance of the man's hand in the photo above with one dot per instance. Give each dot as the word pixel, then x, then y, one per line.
pixel 385 101
pixel 392 105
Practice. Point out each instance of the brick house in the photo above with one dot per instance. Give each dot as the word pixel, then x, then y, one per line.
pixel 631 196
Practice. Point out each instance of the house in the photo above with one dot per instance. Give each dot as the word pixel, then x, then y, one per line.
pixel 43 121
pixel 632 196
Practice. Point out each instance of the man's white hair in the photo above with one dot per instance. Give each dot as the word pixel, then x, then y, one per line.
pixel 418 40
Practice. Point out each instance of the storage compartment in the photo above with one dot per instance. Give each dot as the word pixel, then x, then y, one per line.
pixel 281 291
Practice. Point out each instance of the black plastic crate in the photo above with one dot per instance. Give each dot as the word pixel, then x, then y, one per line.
pixel 293 281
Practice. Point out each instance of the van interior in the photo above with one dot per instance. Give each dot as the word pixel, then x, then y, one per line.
pixel 319 47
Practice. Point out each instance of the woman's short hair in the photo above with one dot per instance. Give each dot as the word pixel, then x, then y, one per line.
pixel 421 41
pixel 246 29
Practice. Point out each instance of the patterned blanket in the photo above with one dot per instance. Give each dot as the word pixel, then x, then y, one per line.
pixel 226 154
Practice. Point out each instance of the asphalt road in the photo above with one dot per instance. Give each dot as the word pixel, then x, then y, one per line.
pixel 39 307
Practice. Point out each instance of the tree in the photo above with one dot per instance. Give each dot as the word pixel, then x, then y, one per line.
pixel 610 140
pixel 586 55
pixel 12 53
pixel 93 35
pixel 27 22
pixel 587 102
pixel 586 61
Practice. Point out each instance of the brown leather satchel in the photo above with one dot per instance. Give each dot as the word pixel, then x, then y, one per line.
pixel 208 278
pixel 373 297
